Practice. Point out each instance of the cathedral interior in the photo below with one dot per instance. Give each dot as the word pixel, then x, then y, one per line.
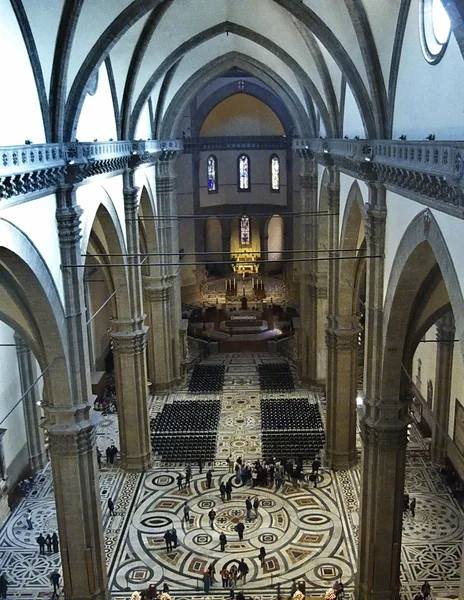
pixel 229 237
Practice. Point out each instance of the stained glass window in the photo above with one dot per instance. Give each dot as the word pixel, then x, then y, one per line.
pixel 212 174
pixel 243 172
pixel 245 231
pixel 275 173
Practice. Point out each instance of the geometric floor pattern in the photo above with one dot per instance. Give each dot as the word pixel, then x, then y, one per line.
pixel 308 533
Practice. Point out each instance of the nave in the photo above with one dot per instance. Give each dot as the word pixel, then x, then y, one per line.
pixel 309 533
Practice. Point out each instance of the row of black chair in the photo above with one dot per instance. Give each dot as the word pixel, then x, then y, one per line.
pixel 295 445
pixel 177 448
pixel 207 379
pixel 291 413
pixel 275 377
pixel 192 415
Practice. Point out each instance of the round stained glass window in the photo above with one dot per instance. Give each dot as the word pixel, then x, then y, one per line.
pixel 435 29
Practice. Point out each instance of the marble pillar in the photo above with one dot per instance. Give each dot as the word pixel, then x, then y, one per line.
pixel 168 230
pixel 27 376
pixel 341 338
pixel 129 342
pixel 307 352
pixel 70 426
pixel 442 394
pixel 381 520
pixel 157 300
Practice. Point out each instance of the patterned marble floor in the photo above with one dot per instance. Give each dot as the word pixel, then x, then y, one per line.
pixel 308 533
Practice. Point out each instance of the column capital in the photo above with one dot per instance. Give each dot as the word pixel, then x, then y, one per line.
pixel 375 227
pixel 128 336
pixel 158 293
pixel 131 199
pixel 446 328
pixel 391 436
pixel 72 441
pixel 68 219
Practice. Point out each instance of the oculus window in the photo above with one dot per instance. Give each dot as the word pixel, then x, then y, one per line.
pixel 243 173
pixel 275 173
pixel 212 174
pixel 435 29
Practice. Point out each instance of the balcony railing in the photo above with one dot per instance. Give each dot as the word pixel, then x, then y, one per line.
pixel 262 142
pixel 15 160
pixel 442 159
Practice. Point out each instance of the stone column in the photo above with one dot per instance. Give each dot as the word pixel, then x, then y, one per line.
pixel 341 338
pixel 27 376
pixel 129 341
pixel 384 443
pixel 71 428
pixel 383 434
pixel 442 394
pixel 169 242
pixel 226 225
pixel 308 278
pixel 157 295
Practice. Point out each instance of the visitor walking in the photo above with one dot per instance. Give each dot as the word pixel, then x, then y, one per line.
pixel 55 579
pixel 229 490
pixel 41 541
pixel 222 491
pixel 240 528
pixel 243 570
pixel 262 555
pixel 212 516
pixel 186 512
pixel 209 479
pixel 249 507
pixel 223 541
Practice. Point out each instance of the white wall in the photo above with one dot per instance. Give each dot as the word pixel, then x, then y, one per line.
pixel 352 122
pixel 97 120
pixel 14 440
pixel 428 97
pixel 36 218
pixel 20 115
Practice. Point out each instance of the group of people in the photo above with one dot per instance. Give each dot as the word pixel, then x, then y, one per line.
pixel 170 537
pixel 229 576
pixel 107 401
pixel 49 541
pixel 268 472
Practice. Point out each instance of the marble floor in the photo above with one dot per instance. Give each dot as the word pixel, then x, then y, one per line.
pixel 308 533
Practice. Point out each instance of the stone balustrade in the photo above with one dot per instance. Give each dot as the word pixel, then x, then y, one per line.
pixel 262 142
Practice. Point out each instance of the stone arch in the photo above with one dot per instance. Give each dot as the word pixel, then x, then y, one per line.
pixel 148 232
pixel 31 306
pixel 217 67
pixel 257 91
pixel 421 248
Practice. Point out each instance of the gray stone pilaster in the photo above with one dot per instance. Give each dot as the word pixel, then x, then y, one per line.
pixel 169 242
pixel 70 427
pixel 27 376
pixel 446 330
pixel 341 338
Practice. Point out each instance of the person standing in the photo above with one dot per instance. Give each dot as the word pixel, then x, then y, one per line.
pixel 179 481
pixel 240 528
pixel 48 542
pixel 29 519
pixel 262 555
pixel 55 542
pixel 233 574
pixel 55 579
pixel 223 541
pixel 249 507
pixel 186 512
pixel 41 541
pixel 174 537
pixel 212 516
pixel 256 506
pixel 222 490
pixel 108 454
pixel 229 489
pixel 412 507
pixel 188 475
pixel 3 586
pixel 212 572
pixel 243 570
pixel 206 581
pixel 209 478
pixel 316 465
pixel 111 507
pixel 200 465
pixel 278 479
pixel 168 539
pixel 426 589
pixel 99 458
pixel 224 573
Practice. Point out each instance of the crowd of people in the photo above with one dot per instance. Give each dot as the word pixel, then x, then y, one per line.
pixel 107 401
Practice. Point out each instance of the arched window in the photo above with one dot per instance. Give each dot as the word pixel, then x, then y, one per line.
pixel 275 173
pixel 212 174
pixel 243 173
pixel 245 231
pixel 435 29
